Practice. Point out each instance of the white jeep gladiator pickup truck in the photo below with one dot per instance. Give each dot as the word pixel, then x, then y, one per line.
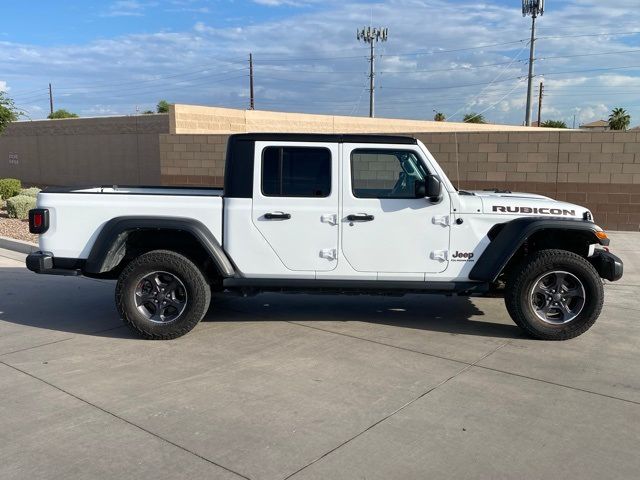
pixel 326 213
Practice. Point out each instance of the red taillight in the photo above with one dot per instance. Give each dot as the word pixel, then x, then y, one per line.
pixel 38 220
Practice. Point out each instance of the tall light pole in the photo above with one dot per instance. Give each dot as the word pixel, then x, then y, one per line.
pixel 371 36
pixel 252 103
pixel 50 100
pixel 534 8
pixel 540 96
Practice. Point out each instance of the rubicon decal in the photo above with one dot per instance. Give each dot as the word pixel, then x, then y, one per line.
pixel 538 211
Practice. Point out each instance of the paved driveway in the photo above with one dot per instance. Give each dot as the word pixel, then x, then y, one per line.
pixel 322 387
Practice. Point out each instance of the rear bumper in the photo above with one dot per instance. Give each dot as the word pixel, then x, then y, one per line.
pixel 608 265
pixel 44 262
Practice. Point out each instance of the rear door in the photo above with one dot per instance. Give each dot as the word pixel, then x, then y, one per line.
pixel 385 228
pixel 295 202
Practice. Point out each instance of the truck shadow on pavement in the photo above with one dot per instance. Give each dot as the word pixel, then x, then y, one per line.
pixel 84 306
pixel 438 313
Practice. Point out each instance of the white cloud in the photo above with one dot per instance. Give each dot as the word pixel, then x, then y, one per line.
pixel 128 8
pixel 279 3
pixel 312 62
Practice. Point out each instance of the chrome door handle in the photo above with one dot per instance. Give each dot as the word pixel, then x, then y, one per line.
pixel 277 216
pixel 363 217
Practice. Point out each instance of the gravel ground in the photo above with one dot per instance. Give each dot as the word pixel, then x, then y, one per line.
pixel 14 228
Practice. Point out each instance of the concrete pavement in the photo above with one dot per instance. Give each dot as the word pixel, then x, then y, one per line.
pixel 294 386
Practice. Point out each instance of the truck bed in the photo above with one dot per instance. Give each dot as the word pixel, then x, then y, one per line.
pixel 139 190
pixel 78 214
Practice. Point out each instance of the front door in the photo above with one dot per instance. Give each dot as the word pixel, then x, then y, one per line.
pixel 385 228
pixel 295 203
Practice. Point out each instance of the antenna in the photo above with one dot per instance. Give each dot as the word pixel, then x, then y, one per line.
pixel 534 8
pixel 372 35
pixel 455 136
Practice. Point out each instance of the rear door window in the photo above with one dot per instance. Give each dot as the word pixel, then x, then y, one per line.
pixel 296 172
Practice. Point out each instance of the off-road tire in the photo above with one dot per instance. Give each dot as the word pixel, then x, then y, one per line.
pixel 198 294
pixel 522 279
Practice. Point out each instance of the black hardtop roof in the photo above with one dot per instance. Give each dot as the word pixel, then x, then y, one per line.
pixel 322 137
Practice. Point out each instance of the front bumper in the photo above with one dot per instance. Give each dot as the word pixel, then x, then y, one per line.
pixel 608 265
pixel 44 262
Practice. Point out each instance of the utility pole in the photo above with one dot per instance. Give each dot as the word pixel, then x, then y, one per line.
pixel 252 105
pixel 540 95
pixel 371 36
pixel 534 8
pixel 50 100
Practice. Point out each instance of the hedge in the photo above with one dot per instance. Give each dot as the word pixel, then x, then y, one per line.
pixel 9 187
pixel 30 192
pixel 19 206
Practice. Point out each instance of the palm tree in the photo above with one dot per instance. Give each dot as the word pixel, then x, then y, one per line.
pixel 439 117
pixel 553 124
pixel 619 119
pixel 474 118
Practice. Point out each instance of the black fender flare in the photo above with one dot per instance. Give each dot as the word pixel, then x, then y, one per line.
pixel 514 233
pixel 108 247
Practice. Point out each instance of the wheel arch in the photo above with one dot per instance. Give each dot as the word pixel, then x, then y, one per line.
pixel 193 237
pixel 511 240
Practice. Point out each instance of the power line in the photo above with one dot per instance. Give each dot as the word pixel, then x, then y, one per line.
pixel 296 70
pixel 22 93
pixel 145 83
pixel 452 86
pixel 220 80
pixel 610 34
pixel 589 54
pixel 328 84
pixel 435 52
pixel 591 70
pixel 453 69
pixel 495 80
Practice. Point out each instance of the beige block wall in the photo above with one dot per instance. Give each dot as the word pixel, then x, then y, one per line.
pixel 195 119
pixel 116 150
pixel 192 159
pixel 598 170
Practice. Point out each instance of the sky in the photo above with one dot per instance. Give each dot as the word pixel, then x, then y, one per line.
pixel 116 57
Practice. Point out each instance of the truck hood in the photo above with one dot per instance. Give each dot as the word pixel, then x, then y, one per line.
pixel 526 204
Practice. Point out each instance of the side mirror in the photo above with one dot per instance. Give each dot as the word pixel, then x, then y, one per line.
pixel 429 187
pixel 434 188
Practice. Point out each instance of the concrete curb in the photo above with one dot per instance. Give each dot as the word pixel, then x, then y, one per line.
pixel 17 245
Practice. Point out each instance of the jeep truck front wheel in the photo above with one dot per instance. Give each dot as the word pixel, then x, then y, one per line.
pixel 162 295
pixel 554 295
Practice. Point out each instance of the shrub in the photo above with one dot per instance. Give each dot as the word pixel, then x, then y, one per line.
pixel 30 192
pixel 9 187
pixel 19 206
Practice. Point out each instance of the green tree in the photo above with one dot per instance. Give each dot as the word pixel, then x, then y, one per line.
pixel 8 111
pixel 148 112
pixel 619 119
pixel 62 113
pixel 439 117
pixel 553 124
pixel 474 118
pixel 163 106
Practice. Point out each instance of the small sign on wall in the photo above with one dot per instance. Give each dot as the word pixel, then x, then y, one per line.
pixel 13 158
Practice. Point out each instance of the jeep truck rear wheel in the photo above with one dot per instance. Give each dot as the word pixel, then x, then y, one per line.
pixel 162 295
pixel 554 295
